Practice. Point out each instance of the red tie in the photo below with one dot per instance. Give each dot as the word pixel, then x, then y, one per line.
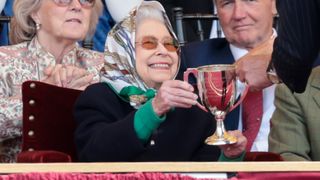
pixel 252 110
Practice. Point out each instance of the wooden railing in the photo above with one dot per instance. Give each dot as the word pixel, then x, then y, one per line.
pixel 196 167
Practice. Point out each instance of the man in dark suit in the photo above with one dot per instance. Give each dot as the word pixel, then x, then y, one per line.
pixel 246 25
pixel 295 49
pixel 299 42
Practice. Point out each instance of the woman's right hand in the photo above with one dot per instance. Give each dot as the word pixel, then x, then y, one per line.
pixel 173 93
pixel 68 76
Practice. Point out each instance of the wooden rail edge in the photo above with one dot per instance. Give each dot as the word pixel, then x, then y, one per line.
pixel 196 167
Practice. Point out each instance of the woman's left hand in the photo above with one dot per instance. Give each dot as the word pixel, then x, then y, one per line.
pixel 68 76
pixel 78 78
pixel 236 149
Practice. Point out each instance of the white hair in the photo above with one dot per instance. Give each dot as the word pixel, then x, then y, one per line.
pixel 147 11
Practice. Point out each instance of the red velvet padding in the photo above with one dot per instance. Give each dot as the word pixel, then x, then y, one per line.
pixel 52 126
pixel 42 157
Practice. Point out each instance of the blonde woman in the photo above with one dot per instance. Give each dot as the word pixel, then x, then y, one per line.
pixel 45 33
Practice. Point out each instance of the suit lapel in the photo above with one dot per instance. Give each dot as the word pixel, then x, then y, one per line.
pixel 221 54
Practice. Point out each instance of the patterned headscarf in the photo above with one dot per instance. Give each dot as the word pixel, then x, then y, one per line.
pixel 119 70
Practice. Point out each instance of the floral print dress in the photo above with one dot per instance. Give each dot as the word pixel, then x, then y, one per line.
pixel 23 62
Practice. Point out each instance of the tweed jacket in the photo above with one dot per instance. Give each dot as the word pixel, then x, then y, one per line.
pixel 295 123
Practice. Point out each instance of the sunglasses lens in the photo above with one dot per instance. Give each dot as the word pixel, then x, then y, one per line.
pixel 149 43
pixel 171 46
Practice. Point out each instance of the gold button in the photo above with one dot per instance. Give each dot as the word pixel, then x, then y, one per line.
pixel 31 118
pixel 30 149
pixel 32 102
pixel 32 85
pixel 30 133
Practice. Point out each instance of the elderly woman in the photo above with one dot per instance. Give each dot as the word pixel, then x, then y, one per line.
pixel 138 112
pixel 47 32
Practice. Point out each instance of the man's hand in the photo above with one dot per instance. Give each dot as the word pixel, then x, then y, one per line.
pixel 252 68
pixel 253 71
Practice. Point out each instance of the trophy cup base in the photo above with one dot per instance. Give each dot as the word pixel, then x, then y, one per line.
pixel 223 140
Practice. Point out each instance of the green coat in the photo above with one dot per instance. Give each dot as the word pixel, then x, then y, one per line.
pixel 295 124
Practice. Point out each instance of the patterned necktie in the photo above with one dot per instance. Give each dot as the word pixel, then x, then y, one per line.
pixel 252 111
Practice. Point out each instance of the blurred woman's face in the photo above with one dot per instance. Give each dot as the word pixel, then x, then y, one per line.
pixel 156 53
pixel 63 21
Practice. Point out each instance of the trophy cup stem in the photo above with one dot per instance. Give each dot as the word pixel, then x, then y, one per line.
pixel 220 137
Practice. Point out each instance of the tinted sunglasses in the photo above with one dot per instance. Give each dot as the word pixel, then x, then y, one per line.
pixel 150 42
pixel 84 3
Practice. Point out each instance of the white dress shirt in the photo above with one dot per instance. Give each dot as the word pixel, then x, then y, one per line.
pixel 261 141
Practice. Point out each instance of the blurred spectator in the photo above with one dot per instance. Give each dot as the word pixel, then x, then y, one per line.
pixel 6 10
pixel 113 11
pixel 104 25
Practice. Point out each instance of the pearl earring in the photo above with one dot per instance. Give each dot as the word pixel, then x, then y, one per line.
pixel 38 26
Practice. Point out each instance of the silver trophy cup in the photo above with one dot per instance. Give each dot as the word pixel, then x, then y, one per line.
pixel 219 93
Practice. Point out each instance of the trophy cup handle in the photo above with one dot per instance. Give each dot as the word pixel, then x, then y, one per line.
pixel 241 99
pixel 186 74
